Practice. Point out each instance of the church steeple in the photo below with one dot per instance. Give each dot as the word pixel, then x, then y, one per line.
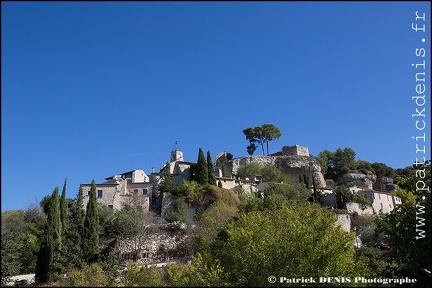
pixel 176 153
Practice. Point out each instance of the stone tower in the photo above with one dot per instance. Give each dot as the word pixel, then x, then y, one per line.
pixel 176 153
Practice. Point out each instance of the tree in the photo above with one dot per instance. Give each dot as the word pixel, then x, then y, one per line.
pixel 408 227
pixel 201 273
pixel 271 173
pixel 334 164
pixel 211 170
pixel 167 185
pixel 13 230
pixel 296 192
pixel 325 158
pixel 35 220
pixel 48 260
pixel 12 245
pixel 64 211
pixel 201 171
pixel 91 228
pixel 90 275
pixel 45 203
pixel 21 232
pixel 176 211
pixel 262 135
pixel 382 170
pixel 211 223
pixel 247 255
pixel 270 133
pixel 364 167
pixel 142 276
pixel 401 226
pixel 251 136
pixel 251 169
pixel 251 149
pixel 75 232
pixel 344 160
pixel 407 198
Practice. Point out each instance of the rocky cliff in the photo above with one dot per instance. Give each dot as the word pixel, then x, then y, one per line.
pixel 357 179
pixel 292 165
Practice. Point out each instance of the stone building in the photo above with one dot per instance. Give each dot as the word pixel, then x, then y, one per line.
pixel 381 201
pixel 295 150
pixel 129 189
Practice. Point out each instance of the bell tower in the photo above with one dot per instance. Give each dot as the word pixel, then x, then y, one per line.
pixel 176 153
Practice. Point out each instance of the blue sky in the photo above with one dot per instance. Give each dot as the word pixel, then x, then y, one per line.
pixel 93 89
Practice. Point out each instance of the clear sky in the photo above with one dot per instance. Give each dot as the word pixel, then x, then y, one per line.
pixel 94 89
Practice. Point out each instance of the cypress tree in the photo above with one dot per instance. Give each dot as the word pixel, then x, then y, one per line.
pixel 91 228
pixel 48 260
pixel 64 212
pixel 75 232
pixel 201 169
pixel 167 184
pixel 210 169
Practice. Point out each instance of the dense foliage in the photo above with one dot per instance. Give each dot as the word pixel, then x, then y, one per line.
pixel 269 173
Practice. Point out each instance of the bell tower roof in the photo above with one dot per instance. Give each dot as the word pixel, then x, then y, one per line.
pixel 176 153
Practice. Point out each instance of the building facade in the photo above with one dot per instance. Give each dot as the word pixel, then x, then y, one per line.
pixel 129 189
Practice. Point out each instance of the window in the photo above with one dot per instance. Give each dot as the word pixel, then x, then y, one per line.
pixel 145 191
pixel 135 191
pixel 99 193
pixel 379 196
pixel 111 207
pixel 381 206
pixel 390 206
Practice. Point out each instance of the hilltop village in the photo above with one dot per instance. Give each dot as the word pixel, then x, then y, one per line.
pixel 239 212
pixel 138 189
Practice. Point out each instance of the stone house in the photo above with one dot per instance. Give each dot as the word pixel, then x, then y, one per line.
pixel 129 189
pixel 381 201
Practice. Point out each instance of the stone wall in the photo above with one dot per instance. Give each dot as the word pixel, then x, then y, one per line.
pixel 328 200
pixel 344 220
pixel 110 195
pixel 139 176
pixel 352 207
pixel 158 245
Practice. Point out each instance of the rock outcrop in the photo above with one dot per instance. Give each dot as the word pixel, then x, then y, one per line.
pixel 294 166
pixel 357 179
pixel 385 184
